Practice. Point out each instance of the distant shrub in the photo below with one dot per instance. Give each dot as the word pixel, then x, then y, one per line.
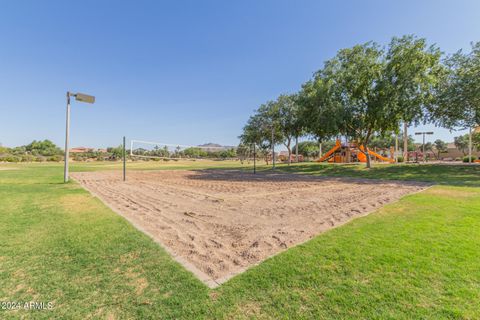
pixel 400 159
pixel 458 159
pixel 44 148
pixel 78 157
pixel 27 158
pixel 10 158
pixel 465 159
pixel 55 158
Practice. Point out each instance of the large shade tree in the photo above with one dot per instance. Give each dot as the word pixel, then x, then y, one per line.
pixel 440 146
pixel 286 115
pixel 367 91
pixel 459 99
pixel 360 87
pixel 412 72
pixel 262 129
pixel 458 103
pixel 319 111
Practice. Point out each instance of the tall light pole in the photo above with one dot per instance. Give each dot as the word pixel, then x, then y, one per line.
pixel 423 144
pixel 273 146
pixel 396 149
pixel 79 97
pixel 405 142
pixel 470 145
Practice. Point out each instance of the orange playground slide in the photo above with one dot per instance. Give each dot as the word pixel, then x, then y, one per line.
pixel 327 155
pixel 363 158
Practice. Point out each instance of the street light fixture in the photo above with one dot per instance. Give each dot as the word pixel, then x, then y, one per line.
pixel 82 98
pixel 423 144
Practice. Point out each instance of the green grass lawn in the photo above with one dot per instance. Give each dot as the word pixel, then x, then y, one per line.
pixel 416 258
pixel 455 174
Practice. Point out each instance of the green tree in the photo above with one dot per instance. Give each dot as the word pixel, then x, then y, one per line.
pixel 18 150
pixel 288 120
pixel 228 153
pixel 412 74
pixel 307 148
pixel 44 148
pixel 160 152
pixel 458 103
pixel 382 142
pixel 362 91
pixel 476 141
pixel 428 147
pixel 254 133
pixel 194 152
pixel 310 149
pixel 320 112
pixel 440 147
pixel 461 143
pixel 116 152
pixel 261 127
pixel 459 98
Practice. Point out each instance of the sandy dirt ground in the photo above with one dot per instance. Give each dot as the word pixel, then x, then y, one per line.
pixel 223 222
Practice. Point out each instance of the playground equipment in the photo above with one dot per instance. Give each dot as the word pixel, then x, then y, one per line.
pixel 327 155
pixel 363 158
pixel 350 152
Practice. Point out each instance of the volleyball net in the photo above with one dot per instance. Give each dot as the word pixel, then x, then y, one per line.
pixel 158 150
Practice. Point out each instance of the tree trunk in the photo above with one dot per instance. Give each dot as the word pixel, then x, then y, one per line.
pixel 369 165
pixel 320 149
pixel 405 142
pixel 289 141
pixel 296 149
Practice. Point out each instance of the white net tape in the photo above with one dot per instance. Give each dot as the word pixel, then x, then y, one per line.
pixel 149 149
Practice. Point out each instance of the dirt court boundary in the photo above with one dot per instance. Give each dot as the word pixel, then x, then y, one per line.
pixel 187 265
pixel 218 224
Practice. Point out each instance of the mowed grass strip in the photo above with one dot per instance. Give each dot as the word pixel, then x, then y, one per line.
pixel 417 258
pixel 60 244
pixel 455 174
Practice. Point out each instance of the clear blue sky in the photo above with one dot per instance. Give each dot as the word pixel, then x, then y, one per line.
pixel 186 72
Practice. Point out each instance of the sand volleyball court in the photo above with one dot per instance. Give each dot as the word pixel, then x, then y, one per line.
pixel 217 223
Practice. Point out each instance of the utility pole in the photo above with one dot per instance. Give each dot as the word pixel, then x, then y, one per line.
pixel 470 145
pixel 396 148
pixel 254 158
pixel 423 149
pixel 423 144
pixel 124 155
pixel 67 138
pixel 79 97
pixel 273 146
pixel 405 142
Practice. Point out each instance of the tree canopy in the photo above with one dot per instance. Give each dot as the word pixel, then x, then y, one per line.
pixel 367 91
pixel 44 148
pixel 458 101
